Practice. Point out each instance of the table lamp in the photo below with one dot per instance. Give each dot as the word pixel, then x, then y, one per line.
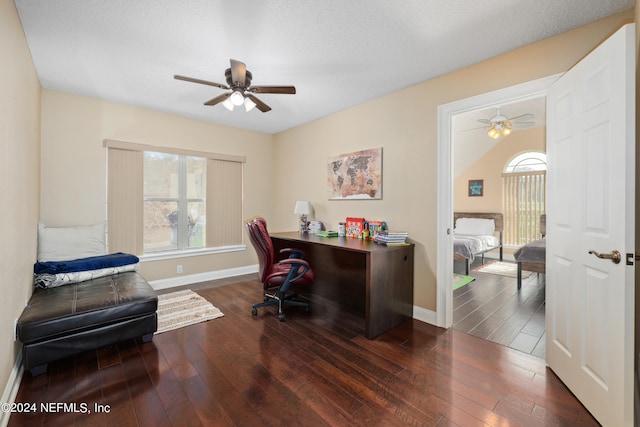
pixel 303 208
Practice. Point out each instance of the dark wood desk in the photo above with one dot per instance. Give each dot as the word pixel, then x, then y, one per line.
pixel 373 280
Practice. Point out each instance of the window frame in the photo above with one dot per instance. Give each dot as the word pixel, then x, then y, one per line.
pixel 516 161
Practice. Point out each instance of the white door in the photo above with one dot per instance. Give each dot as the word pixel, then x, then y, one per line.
pixel 591 195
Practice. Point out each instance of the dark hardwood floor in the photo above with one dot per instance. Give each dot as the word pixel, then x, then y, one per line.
pixel 313 369
pixel 492 308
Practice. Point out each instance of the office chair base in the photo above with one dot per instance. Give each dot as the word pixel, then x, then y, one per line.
pixel 280 302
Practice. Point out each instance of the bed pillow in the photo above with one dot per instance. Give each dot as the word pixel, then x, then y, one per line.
pixel 475 226
pixel 60 244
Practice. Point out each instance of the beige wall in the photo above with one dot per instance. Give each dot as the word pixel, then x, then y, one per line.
pixel 404 124
pixel 490 167
pixel 74 165
pixel 19 178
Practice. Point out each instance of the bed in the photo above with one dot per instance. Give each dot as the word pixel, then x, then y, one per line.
pixel 475 234
pixel 531 257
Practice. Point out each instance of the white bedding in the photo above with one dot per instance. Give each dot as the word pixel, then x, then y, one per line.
pixel 468 246
pixel 54 280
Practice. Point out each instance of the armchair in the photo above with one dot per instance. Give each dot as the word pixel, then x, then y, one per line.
pixel 278 276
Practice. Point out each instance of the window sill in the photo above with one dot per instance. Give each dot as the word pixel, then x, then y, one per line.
pixel 159 256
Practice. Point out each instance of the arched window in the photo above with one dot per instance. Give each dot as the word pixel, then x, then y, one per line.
pixel 529 161
pixel 524 197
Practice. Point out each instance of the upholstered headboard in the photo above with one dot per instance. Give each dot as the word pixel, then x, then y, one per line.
pixel 496 217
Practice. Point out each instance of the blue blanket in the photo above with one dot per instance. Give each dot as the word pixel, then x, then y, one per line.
pixel 118 259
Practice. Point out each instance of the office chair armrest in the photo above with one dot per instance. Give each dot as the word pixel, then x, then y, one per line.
pixel 293 252
pixel 301 267
pixel 298 267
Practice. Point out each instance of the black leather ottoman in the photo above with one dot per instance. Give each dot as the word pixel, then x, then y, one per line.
pixel 69 319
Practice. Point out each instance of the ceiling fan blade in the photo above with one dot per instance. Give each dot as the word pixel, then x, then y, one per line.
pixel 522 117
pixel 518 125
pixel 474 129
pixel 259 104
pixel 485 121
pixel 273 89
pixel 218 99
pixel 203 82
pixel 238 72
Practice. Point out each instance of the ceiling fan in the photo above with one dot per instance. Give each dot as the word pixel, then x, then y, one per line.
pixel 241 92
pixel 500 125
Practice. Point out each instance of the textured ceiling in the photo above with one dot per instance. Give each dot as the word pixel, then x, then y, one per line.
pixel 337 53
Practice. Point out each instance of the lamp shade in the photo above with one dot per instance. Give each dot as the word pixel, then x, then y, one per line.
pixel 249 104
pixel 236 98
pixel 228 105
pixel 303 207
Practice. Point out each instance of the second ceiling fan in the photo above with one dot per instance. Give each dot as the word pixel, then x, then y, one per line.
pixel 241 92
pixel 500 125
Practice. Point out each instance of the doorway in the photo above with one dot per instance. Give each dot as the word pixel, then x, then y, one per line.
pixel 446 114
pixel 487 303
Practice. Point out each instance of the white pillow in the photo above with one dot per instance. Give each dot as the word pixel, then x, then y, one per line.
pixel 63 244
pixel 475 226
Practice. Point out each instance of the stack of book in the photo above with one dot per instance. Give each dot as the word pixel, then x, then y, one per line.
pixel 391 238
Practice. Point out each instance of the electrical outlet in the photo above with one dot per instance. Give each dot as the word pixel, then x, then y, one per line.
pixel 180 269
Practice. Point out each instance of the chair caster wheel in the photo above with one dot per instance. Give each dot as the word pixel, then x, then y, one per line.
pixel 281 317
pixel 254 311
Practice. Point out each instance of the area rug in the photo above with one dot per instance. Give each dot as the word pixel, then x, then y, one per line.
pixel 460 280
pixel 504 269
pixel 183 308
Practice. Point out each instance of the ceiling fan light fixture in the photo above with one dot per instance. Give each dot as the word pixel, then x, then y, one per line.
pixel 227 104
pixel 237 98
pixel 493 133
pixel 249 104
pixel 500 125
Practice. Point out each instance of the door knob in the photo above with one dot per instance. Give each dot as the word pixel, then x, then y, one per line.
pixel 614 256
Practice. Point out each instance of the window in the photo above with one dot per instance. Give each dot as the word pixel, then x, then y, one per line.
pixel 526 162
pixel 524 197
pixel 166 201
pixel 174 202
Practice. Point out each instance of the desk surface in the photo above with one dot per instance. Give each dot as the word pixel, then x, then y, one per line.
pixel 342 242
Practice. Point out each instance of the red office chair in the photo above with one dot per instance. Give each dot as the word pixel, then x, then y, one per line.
pixel 281 275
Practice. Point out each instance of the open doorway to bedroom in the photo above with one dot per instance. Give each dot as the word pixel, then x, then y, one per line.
pixel 503 148
pixel 490 305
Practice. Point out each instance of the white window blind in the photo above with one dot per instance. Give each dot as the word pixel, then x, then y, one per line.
pixel 524 199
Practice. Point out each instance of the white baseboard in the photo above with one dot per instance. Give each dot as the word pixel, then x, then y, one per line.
pixel 202 277
pixel 11 388
pixel 424 315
